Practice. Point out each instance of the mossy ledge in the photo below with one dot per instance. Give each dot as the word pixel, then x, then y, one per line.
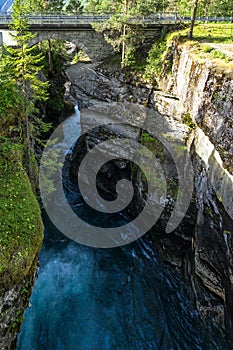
pixel 21 236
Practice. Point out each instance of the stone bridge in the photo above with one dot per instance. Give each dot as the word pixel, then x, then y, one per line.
pixel 88 40
pixel 78 30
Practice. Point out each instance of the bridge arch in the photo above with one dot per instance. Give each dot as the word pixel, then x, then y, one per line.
pixel 91 42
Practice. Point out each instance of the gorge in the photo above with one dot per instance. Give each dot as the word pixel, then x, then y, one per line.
pixel 166 290
pixel 199 250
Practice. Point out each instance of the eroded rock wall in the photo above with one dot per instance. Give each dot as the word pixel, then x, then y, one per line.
pixel 203 91
pixel 201 247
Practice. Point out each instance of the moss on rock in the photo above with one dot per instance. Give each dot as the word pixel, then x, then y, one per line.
pixel 21 236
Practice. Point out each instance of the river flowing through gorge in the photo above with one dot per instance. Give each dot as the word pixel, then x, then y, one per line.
pixel 123 298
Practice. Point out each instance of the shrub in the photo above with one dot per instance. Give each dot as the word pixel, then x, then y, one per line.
pixel 187 120
pixel 207 48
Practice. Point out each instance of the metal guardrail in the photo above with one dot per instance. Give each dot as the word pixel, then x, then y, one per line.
pixel 60 19
pixel 209 19
pixel 157 18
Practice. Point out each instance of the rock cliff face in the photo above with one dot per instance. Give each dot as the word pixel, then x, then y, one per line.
pixel 203 92
pixel 13 302
pixel 105 82
pixel 204 89
pixel 201 248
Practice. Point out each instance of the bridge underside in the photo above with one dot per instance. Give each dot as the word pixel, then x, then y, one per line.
pixel 88 40
pixel 91 42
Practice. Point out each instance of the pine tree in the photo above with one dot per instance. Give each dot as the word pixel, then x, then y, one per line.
pixel 74 6
pixel 25 64
pixel 33 6
pixel 9 96
pixel 53 6
pixel 120 30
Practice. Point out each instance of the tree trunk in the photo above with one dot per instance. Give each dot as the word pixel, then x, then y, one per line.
pixel 30 172
pixel 50 56
pixel 207 7
pixel 193 19
pixel 126 7
pixel 123 47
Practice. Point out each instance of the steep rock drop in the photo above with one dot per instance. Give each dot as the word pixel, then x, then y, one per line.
pixel 157 313
pixel 121 298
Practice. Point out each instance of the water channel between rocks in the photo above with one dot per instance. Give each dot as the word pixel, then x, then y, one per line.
pixel 100 299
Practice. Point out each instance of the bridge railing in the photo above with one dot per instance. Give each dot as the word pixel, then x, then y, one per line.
pixel 209 19
pixel 169 17
pixel 65 19
pixel 156 18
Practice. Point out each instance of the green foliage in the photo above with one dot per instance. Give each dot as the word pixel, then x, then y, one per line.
pixel 155 60
pixel 53 6
pixel 207 48
pixel 205 34
pixel 153 144
pixel 80 56
pixel 218 54
pixel 133 7
pixel 56 103
pixel 214 32
pixel 98 6
pixel 160 56
pixel 119 30
pixel 114 31
pixel 23 64
pixel 33 6
pixel 206 8
pixel 8 148
pixel 74 6
pixel 54 54
pixel 187 120
pixel 50 163
pixel 21 229
pixel 9 94
pixel 23 61
pixel 55 58
pixel 135 59
pixel 148 7
pixel 184 7
pixel 214 8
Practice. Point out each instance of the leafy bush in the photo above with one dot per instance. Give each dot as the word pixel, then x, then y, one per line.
pixel 218 54
pixel 80 56
pixel 207 48
pixel 155 60
pixel 153 144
